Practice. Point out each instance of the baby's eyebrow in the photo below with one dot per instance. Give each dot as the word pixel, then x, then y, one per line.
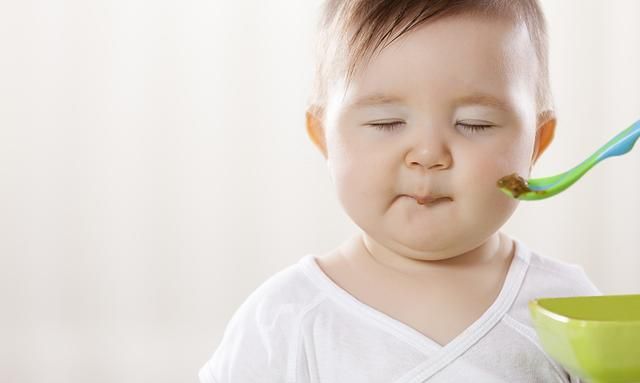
pixel 472 99
pixel 484 100
pixel 376 99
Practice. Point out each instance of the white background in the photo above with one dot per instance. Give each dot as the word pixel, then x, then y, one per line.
pixel 154 170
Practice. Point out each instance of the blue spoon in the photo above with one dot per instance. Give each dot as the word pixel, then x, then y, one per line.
pixel 539 188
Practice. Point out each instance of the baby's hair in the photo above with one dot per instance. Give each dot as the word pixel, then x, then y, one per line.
pixel 350 32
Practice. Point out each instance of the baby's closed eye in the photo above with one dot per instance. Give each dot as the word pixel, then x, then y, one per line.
pixel 391 126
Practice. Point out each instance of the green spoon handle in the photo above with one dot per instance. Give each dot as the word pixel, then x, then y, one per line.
pixel 620 144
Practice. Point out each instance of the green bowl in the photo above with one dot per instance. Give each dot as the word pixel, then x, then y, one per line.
pixel 596 337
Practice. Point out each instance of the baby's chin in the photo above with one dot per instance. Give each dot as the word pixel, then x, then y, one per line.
pixel 434 250
pixel 438 241
pixel 425 249
pixel 433 245
pixel 417 256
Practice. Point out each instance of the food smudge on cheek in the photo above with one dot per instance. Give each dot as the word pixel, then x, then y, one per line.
pixel 516 185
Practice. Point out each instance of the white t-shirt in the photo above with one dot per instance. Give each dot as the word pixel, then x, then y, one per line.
pixel 300 326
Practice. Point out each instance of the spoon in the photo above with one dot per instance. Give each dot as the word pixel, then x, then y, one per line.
pixel 517 187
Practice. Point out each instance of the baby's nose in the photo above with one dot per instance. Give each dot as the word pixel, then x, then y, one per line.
pixel 432 158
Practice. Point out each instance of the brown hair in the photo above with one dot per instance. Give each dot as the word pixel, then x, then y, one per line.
pixel 350 32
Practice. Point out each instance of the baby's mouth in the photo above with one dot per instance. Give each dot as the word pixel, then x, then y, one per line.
pixel 429 199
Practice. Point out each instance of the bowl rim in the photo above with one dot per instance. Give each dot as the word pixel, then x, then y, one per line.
pixel 534 304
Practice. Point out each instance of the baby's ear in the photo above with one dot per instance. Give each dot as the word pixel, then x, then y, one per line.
pixel 315 129
pixel 544 134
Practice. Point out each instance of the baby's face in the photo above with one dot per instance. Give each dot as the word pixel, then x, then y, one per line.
pixel 437 84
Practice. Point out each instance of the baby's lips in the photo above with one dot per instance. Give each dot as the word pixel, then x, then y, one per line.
pixel 427 199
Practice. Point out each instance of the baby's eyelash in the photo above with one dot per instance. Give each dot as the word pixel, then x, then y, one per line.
pixel 395 125
pixel 474 128
pixel 388 126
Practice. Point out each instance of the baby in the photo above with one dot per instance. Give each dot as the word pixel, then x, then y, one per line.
pixel 419 107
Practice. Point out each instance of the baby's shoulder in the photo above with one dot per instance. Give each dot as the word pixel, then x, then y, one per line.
pixel 547 276
pixel 283 297
pixel 261 338
pixel 553 268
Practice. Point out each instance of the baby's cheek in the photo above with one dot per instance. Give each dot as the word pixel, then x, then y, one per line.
pixel 505 161
pixel 487 199
pixel 482 187
pixel 488 170
pixel 354 182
